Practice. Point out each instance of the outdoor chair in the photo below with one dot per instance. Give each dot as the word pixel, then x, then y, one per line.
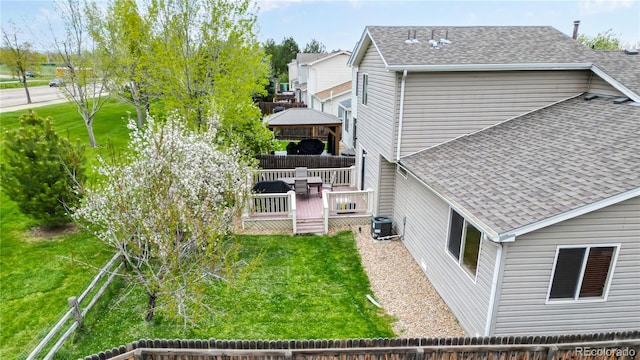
pixel 301 187
pixel 301 172
pixel 329 185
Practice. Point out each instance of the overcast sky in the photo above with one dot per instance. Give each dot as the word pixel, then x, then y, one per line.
pixel 338 24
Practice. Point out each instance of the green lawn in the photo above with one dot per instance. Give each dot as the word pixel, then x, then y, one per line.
pixel 304 287
pixel 109 125
pixel 17 85
pixel 37 276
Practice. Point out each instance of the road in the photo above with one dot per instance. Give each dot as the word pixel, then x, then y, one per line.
pixel 16 99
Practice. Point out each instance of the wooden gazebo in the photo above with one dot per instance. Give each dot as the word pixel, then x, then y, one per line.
pixel 309 118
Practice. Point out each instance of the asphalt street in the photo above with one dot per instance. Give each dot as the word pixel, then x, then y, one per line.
pixel 16 99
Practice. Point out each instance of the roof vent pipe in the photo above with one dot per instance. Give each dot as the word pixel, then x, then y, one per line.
pixel 432 33
pixel 408 41
pixel 576 24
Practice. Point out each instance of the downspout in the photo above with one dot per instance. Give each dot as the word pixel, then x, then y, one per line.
pixel 497 268
pixel 401 115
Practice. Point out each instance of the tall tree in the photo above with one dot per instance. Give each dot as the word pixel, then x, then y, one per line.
pixel 314 47
pixel 168 207
pixel 287 52
pixel 86 69
pixel 122 36
pixel 603 41
pixel 209 61
pixel 18 55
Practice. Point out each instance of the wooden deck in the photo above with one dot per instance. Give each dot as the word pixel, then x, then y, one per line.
pixel 311 207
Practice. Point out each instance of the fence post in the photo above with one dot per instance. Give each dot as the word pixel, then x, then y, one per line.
pixel 75 309
pixel 352 177
pixel 369 201
pixel 325 210
pixel 292 209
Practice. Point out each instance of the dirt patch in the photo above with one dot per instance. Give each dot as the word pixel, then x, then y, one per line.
pixel 41 233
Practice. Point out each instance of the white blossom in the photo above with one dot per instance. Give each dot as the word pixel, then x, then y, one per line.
pixel 168 205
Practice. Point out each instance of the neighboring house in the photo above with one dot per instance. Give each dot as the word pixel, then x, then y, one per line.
pixel 321 80
pixel 519 199
pixel 348 126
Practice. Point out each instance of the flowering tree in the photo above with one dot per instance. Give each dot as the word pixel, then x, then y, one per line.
pixel 169 210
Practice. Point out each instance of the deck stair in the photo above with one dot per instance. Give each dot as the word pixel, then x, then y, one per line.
pixel 310 226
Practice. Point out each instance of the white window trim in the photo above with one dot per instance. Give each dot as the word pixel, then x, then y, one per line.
pixel 473 277
pixel 365 84
pixel 576 299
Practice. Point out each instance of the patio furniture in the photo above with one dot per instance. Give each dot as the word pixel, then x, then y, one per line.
pixel 271 187
pixel 329 186
pixel 301 172
pixel 311 181
pixel 301 187
pixel 310 147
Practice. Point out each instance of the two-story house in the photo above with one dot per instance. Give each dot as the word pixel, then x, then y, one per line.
pixel 507 158
pixel 321 81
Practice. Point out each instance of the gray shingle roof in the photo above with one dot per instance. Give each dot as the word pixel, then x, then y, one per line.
pixel 304 58
pixel 478 45
pixel 541 164
pixel 302 117
pixel 622 67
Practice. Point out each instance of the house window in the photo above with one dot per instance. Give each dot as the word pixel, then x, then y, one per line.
pixel 464 242
pixel 581 272
pixel 365 88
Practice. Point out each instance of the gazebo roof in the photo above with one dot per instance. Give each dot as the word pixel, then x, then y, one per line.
pixel 301 117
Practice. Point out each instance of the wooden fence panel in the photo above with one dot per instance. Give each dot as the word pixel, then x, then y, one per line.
pixel 609 346
pixel 309 161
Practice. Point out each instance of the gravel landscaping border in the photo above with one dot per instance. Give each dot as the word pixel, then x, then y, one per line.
pixel 403 290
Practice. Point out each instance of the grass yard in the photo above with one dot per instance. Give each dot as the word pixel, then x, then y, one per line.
pixel 304 287
pixel 37 276
pixel 109 125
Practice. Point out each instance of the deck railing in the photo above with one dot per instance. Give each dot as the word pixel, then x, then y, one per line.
pixel 348 202
pixel 340 176
pixel 270 204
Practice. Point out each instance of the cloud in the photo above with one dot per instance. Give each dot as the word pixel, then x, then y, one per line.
pixel 590 7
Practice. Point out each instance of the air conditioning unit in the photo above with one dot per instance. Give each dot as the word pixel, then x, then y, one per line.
pixel 381 226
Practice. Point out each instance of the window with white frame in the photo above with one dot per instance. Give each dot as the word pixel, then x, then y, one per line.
pixel 365 88
pixel 464 242
pixel 581 273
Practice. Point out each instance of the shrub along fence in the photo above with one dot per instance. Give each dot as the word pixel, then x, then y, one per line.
pixel 309 161
pixel 622 345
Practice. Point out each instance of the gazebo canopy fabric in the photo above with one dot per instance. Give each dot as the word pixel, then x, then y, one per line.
pixel 305 117
pixel 301 117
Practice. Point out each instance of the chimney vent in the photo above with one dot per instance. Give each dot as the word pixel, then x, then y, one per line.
pixel 576 24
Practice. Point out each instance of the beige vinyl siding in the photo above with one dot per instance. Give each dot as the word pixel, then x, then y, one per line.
pixel 597 85
pixel 425 236
pixel 375 120
pixel 331 72
pixel 528 266
pixel 439 107
pixel 386 188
